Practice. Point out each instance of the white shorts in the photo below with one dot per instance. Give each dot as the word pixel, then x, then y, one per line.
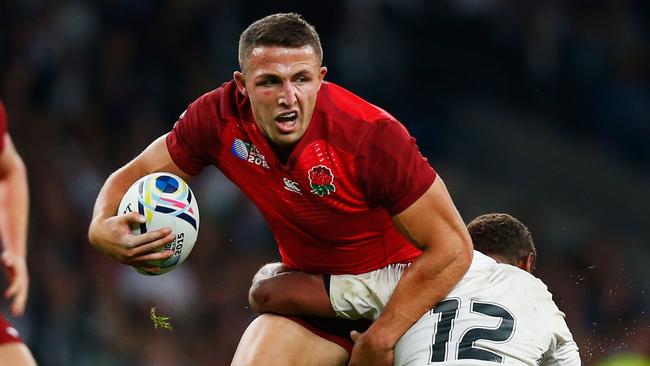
pixel 364 295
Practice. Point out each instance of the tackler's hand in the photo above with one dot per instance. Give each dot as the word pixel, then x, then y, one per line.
pixel 370 350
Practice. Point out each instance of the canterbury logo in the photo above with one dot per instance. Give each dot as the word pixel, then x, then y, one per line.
pixel 292 186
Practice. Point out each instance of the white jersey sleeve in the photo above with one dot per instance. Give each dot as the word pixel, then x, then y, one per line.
pixel 563 350
pixel 566 353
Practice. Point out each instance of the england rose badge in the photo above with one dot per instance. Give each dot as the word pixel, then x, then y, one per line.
pixel 321 180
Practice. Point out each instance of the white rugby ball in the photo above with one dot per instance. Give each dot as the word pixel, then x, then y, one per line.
pixel 166 201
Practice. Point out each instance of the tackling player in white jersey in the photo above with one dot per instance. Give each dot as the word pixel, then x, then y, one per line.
pixel 498 312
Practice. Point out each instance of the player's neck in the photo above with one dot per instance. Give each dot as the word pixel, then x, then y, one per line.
pixel 281 152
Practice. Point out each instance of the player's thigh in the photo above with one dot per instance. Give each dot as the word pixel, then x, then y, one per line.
pixel 16 354
pixel 275 340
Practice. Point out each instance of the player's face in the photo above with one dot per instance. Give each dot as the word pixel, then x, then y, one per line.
pixel 282 85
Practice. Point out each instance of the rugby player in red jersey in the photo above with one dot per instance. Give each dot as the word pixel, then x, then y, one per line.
pixel 14 207
pixel 340 182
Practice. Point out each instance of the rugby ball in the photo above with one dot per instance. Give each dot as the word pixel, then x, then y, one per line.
pixel 166 201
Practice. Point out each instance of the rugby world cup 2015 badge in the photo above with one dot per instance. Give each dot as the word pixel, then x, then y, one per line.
pixel 240 148
pixel 321 180
pixel 249 152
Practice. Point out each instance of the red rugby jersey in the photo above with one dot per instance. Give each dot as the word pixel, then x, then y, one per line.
pixel 3 125
pixel 330 206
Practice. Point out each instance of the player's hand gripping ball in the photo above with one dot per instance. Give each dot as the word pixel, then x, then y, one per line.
pixel 166 201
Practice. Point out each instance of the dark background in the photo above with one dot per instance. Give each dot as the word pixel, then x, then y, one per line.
pixel 538 109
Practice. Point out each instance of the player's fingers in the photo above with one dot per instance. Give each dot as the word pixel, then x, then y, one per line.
pixel 18 305
pixel 151 246
pixel 354 335
pixel 17 310
pixel 133 217
pixel 17 282
pixel 149 269
pixel 154 256
pixel 149 237
pixel 12 290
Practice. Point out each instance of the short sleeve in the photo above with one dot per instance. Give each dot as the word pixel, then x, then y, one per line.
pixel 565 351
pixel 566 354
pixel 3 125
pixel 193 140
pixel 393 171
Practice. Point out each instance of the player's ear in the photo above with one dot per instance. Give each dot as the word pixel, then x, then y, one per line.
pixel 239 80
pixel 529 262
pixel 321 75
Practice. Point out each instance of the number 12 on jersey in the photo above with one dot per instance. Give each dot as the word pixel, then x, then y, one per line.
pixel 452 325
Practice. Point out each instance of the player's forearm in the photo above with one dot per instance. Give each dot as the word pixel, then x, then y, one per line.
pixel 114 188
pixel 155 158
pixel 433 224
pixel 290 293
pixel 14 193
pixel 429 279
pixel 108 201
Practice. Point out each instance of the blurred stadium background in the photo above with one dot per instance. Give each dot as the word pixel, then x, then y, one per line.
pixel 536 108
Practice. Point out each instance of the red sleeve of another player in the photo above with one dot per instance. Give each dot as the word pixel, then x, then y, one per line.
pixel 3 125
pixel 393 170
pixel 193 140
